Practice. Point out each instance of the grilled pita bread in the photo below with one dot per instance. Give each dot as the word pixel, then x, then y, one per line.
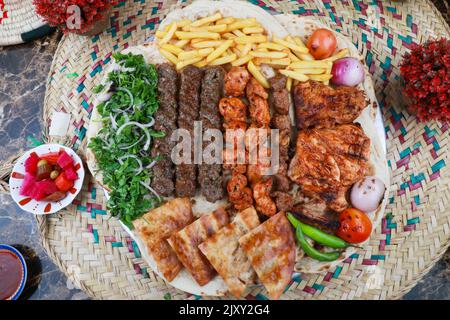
pixel 270 248
pixel 185 244
pixel 225 255
pixel 157 225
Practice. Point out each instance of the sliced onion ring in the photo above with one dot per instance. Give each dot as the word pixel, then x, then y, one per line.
pixel 137 124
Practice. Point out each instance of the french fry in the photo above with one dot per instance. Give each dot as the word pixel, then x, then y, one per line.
pixel 201 63
pixel 228 36
pixel 169 56
pixel 184 63
pixel 249 30
pixel 246 49
pixel 271 46
pixel 289 84
pixel 227 20
pixel 317 64
pixel 339 55
pixel 160 34
pixel 280 63
pixel 224 60
pixel 241 24
pixel 215 28
pixel 311 71
pixel 186 55
pixel 238 33
pixel 320 77
pixel 251 39
pixel 237 52
pixel 199 34
pixel 207 20
pixel 306 56
pixel 270 55
pixel 181 43
pixel 299 42
pixel 219 51
pixel 180 24
pixel 290 45
pixel 169 33
pixel 258 75
pixel 328 71
pixel 295 75
pixel 241 61
pixel 171 48
pixel 291 56
pixel 206 44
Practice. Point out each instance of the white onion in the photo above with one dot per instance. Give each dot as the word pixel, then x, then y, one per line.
pixel 137 124
pixel 126 147
pixel 367 194
pixel 104 97
pixel 139 170
pixel 129 93
pixel 347 72
pixel 151 165
pixel 151 189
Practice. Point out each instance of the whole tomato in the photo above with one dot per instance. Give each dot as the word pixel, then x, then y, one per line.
pixel 322 44
pixel 354 226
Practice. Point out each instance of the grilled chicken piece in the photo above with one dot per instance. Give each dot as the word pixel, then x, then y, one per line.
pixel 235 81
pixel 316 213
pixel 320 106
pixel 259 106
pixel 328 161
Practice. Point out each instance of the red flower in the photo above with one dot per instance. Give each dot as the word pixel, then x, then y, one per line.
pixel 426 73
pixel 58 12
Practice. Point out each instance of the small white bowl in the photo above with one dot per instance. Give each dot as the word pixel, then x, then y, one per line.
pixel 43 207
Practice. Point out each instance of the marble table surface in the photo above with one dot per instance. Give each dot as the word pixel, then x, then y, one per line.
pixel 23 70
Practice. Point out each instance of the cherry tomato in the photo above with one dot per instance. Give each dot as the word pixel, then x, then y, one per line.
pixel 355 226
pixel 322 44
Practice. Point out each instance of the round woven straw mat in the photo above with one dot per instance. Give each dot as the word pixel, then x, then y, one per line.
pixel 99 257
pixel 19 23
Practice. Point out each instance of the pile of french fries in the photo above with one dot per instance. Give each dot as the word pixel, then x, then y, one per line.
pixel 217 40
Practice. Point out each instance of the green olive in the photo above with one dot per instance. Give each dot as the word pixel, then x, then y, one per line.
pixel 54 174
pixel 42 163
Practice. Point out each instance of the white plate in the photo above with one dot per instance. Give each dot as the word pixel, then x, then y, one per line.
pixel 43 207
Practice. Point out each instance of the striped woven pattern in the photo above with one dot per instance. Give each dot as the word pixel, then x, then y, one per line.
pixel 100 257
pixel 16 18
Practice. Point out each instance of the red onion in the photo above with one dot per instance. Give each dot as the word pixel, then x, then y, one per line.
pixel 347 72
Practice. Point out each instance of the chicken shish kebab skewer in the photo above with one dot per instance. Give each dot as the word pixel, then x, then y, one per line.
pixel 234 112
pixel 260 119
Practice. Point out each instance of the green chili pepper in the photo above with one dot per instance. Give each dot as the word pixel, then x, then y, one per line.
pixel 319 236
pixel 313 253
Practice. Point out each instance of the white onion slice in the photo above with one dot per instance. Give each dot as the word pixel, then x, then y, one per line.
pixel 126 147
pixel 137 124
pixel 129 93
pixel 151 189
pixel 139 170
pixel 151 165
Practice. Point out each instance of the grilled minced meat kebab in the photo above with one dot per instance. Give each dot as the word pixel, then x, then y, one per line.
pixel 166 121
pixel 210 178
pixel 188 113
